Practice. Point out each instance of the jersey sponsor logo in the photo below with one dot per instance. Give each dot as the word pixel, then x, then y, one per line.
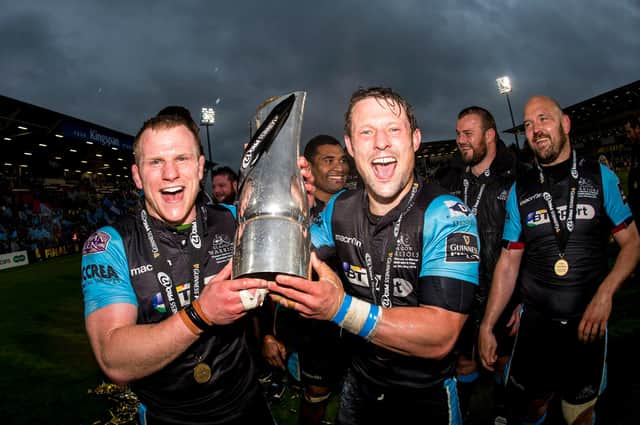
pixel 530 198
pixel 137 271
pixel 462 248
pixel 538 217
pixel 401 287
pixel 356 275
pixel 349 240
pixel 100 272
pixel 221 248
pixel 183 297
pixel 502 196
pixel 588 189
pixel 96 243
pixel 405 256
pixel 196 242
pixel 457 209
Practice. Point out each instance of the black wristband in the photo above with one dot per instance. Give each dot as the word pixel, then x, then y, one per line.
pixel 196 319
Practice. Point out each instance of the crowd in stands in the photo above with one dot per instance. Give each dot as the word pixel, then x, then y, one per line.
pixel 51 221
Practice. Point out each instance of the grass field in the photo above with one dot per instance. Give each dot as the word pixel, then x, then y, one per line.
pixel 47 367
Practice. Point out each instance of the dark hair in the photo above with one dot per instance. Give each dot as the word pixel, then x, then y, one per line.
pixel 381 94
pixel 312 146
pixel 165 122
pixel 225 171
pixel 485 116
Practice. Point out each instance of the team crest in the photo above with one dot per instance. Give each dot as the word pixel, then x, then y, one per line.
pixel 96 243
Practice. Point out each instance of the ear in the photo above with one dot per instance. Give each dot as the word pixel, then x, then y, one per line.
pixel 416 139
pixel 566 123
pixel 347 143
pixel 490 134
pixel 200 167
pixel 135 173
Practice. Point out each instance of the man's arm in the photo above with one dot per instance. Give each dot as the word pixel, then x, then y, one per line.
pixel 424 331
pixel 126 351
pixel 502 287
pixel 594 320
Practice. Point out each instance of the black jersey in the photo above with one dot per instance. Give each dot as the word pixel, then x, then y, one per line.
pixel 117 266
pixel 600 208
pixel 435 262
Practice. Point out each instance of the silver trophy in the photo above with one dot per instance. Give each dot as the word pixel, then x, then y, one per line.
pixel 272 236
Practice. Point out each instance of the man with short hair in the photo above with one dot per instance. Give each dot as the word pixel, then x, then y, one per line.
pixel 160 311
pixel 410 254
pixel 560 216
pixel 329 165
pixel 225 185
pixel 482 179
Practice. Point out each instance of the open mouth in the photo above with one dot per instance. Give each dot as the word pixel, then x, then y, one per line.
pixel 384 167
pixel 172 194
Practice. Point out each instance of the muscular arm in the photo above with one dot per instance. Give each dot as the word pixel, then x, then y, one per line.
pixel 595 317
pixel 502 287
pixel 424 331
pixel 126 351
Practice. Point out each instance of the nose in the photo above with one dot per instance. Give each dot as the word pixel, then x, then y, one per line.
pixel 169 171
pixel 381 141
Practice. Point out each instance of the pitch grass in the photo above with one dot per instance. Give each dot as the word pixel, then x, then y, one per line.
pixel 47 367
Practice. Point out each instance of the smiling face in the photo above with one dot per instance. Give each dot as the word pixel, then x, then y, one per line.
pixel 330 169
pixel 383 147
pixel 169 169
pixel 471 139
pixel 547 129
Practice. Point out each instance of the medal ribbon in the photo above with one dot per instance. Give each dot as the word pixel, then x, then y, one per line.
pixel 385 299
pixel 466 183
pixel 562 235
pixel 161 267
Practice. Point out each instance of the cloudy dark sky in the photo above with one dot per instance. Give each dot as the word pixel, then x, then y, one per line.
pixel 117 62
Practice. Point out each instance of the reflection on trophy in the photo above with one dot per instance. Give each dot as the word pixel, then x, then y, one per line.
pixel 273 214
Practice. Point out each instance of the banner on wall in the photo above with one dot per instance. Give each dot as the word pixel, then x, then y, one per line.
pixel 13 259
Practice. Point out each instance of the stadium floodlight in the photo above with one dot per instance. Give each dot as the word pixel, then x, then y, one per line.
pixel 207 119
pixel 504 87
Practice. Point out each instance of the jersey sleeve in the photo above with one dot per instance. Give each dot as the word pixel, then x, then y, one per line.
pixel 512 224
pixel 105 271
pixel 321 231
pixel 615 203
pixel 450 244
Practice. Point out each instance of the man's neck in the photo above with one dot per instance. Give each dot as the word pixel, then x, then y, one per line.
pixel 481 166
pixel 323 196
pixel 381 207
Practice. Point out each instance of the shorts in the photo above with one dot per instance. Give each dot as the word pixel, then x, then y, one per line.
pixel 321 354
pixel 363 403
pixel 549 358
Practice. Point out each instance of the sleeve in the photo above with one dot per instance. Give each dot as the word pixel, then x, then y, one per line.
pixel 322 233
pixel 105 271
pixel 512 224
pixel 615 203
pixel 450 255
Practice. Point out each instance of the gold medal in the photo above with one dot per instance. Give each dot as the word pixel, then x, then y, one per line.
pixel 561 267
pixel 202 373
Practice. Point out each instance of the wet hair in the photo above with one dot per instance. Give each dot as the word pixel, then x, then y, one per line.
pixel 165 122
pixel 485 116
pixel 311 149
pixel 381 94
pixel 225 171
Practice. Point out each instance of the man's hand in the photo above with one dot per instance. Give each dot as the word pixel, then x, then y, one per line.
pixel 309 180
pixel 224 301
pixel 273 351
pixel 487 347
pixel 312 299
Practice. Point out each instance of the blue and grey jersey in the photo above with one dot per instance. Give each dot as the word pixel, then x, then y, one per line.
pixel 431 260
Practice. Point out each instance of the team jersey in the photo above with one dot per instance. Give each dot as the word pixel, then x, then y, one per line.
pixel 118 267
pixel 600 209
pixel 430 258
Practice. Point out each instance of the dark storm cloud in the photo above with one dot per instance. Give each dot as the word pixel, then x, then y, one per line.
pixel 117 63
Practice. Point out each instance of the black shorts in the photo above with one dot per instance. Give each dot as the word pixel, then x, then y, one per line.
pixel 549 358
pixel 319 345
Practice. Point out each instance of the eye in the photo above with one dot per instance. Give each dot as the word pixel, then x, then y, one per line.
pixel 155 162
